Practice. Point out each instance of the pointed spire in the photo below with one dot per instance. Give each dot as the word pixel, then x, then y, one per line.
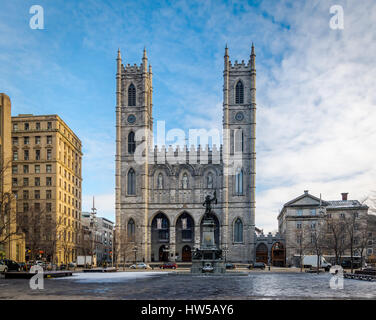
pixel 118 54
pixel 144 55
pixel 253 50
pixel 226 51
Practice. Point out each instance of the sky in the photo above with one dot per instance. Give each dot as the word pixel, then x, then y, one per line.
pixel 316 94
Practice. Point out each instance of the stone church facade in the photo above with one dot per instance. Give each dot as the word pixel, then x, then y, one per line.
pixel 160 191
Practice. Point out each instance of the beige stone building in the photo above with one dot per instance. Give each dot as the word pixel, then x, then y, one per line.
pixel 47 181
pixel 12 245
pixel 159 199
pixel 307 215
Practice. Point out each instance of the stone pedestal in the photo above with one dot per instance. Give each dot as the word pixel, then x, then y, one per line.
pixel 208 255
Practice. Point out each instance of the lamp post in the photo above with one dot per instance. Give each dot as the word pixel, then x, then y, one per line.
pixel 135 253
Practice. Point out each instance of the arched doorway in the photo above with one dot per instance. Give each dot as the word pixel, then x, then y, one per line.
pixel 163 253
pixel 278 254
pixel 160 236
pixel 184 235
pixel 262 253
pixel 186 255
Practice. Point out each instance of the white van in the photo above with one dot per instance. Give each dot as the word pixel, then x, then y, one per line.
pixel 311 261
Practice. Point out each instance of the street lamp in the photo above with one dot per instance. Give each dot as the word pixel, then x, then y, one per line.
pixel 135 253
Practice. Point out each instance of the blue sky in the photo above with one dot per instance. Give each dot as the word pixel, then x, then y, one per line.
pixel 315 86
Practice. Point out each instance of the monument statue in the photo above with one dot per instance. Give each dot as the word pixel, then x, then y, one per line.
pixel 207 204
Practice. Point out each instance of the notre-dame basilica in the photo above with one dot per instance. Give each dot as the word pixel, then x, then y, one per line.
pixel 160 191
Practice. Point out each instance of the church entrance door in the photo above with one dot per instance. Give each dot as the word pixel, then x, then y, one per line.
pixel 163 254
pixel 186 254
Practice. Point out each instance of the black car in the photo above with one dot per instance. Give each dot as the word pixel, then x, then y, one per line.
pixel 258 265
pixel 230 266
pixel 12 265
pixel 346 264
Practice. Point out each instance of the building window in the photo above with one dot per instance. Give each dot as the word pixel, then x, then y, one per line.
pixel 131 230
pixel 25 207
pixel 239 182
pixel 37 154
pixel 49 154
pixel 131 143
pixel 37 168
pixel 299 212
pixel 239 96
pixel 14 169
pixel 131 182
pixel 313 225
pixel 14 182
pixel 313 212
pixel 48 207
pixel 26 154
pixel 37 125
pixel 49 125
pixel 15 141
pixel 15 126
pixel 26 182
pixel 25 194
pixel 49 139
pixel 48 181
pixel 37 194
pixel 15 155
pixel 299 225
pixel 26 140
pixel 25 168
pixel 37 181
pixel 37 206
pixel 37 140
pixel 26 126
pixel 342 215
pixel 131 95
pixel 48 168
pixel 238 231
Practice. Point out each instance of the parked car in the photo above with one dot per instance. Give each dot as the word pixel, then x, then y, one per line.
pixel 230 266
pixel 72 265
pixel 12 265
pixel 207 268
pixel 63 267
pixel 257 265
pixel 141 265
pixel 346 264
pixel 3 267
pixel 168 266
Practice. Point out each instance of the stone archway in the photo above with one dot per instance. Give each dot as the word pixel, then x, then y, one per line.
pixel 262 253
pixel 278 254
pixel 184 234
pixel 160 236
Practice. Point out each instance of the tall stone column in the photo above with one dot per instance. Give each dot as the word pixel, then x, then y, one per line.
pixel 197 236
pixel 172 244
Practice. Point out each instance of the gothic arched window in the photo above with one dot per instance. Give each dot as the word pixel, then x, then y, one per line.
pixel 184 181
pixel 131 95
pixel 131 228
pixel 131 182
pixel 210 181
pixel 239 93
pixel 238 231
pixel 239 182
pixel 131 143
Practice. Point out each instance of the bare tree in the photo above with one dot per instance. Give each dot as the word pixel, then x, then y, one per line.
pixel 336 234
pixel 319 241
pixel 125 246
pixel 302 245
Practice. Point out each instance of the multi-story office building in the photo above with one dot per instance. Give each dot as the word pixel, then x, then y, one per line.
pixel 47 182
pixel 12 245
